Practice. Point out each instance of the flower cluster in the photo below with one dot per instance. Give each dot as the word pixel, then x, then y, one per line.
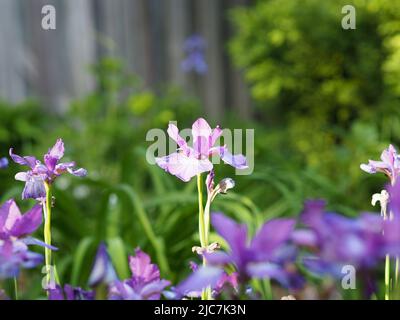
pixel 338 240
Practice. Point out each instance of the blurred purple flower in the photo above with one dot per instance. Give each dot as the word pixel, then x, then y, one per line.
pixel 339 240
pixel 391 227
pixel 389 164
pixel 201 278
pixel 194 48
pixel 3 163
pixel 3 295
pixel 14 255
pixel 34 179
pixel 103 271
pixel 14 224
pixel 265 256
pixel 70 293
pixel 187 161
pixel 145 283
pixel 15 229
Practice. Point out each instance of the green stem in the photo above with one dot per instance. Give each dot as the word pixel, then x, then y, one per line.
pixel 203 232
pixel 202 228
pixel 387 277
pixel 267 289
pixel 47 231
pixel 16 288
pixel 396 273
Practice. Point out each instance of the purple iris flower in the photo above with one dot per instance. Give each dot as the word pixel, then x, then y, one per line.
pixel 265 256
pixel 339 240
pixel 201 278
pixel 14 255
pixel 195 61
pixel 15 229
pixel 145 283
pixel 103 271
pixel 389 164
pixel 187 161
pixel 391 227
pixel 70 293
pixel 40 173
pixel 14 225
pixel 3 163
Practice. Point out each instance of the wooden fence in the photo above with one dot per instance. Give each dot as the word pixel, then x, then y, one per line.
pixel 148 35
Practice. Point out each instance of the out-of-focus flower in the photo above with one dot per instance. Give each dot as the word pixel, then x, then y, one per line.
pixel 187 161
pixel 203 277
pixel 265 256
pixel 70 293
pixel 40 173
pixel 339 240
pixel 3 295
pixel 195 61
pixel 3 163
pixel 15 255
pixel 389 164
pixel 15 229
pixel 103 271
pixel 145 283
pixel 14 224
pixel 391 233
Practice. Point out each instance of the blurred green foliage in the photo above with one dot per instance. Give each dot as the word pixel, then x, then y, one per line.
pixel 335 92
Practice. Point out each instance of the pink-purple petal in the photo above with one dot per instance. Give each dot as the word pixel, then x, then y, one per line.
pixel 237 161
pixel 27 223
pixel 173 132
pixel 141 266
pixel 182 166
pixel 235 234
pixel 200 279
pixel 78 172
pixel 24 161
pixel 57 151
pixel 272 235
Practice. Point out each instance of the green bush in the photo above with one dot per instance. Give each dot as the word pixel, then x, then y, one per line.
pixel 335 92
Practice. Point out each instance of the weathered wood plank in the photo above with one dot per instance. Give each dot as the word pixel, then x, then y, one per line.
pixel 12 82
pixel 209 18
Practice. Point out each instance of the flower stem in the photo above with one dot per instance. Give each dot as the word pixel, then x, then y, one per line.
pixel 203 233
pixel 202 228
pixel 15 288
pixel 47 231
pixel 387 277
pixel 396 273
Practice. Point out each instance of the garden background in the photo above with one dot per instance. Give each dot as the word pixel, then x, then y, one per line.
pixel 321 99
